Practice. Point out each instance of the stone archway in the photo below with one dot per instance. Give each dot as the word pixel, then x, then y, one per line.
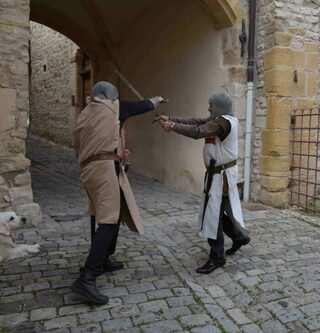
pixel 90 25
pixel 96 32
pixel 224 13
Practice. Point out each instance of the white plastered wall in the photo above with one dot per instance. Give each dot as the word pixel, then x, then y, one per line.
pixel 175 52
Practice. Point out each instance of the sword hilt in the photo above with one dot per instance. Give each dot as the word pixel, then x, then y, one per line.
pixel 157 114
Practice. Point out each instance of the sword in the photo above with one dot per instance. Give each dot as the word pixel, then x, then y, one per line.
pixel 136 92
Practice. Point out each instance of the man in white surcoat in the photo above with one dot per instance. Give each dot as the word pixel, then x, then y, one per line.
pixel 220 209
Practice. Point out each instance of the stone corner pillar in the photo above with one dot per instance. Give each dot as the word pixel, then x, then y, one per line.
pixel 290 80
pixel 15 180
pixel 275 153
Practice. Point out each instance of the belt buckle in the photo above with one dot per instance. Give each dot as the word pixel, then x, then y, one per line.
pixel 222 169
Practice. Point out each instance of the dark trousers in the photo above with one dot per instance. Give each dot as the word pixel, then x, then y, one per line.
pixel 113 243
pixel 102 246
pixel 226 225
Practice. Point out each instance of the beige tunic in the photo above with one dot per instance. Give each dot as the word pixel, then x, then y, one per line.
pixel 97 131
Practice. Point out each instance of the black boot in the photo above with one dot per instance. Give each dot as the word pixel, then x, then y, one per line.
pixel 210 266
pixel 85 286
pixel 237 244
pixel 110 265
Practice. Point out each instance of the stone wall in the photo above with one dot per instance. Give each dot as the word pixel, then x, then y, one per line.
pixel 287 43
pixel 15 181
pixel 265 11
pixel 52 83
pixel 236 67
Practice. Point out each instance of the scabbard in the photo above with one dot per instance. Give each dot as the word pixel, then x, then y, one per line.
pixel 209 177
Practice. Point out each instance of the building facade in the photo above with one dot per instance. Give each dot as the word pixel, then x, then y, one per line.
pixel 189 49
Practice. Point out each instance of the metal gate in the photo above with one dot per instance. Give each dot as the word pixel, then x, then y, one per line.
pixel 305 155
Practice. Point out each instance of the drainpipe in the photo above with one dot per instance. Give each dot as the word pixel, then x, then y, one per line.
pixel 250 96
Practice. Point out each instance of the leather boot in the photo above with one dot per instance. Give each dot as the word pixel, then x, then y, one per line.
pixel 85 286
pixel 237 244
pixel 110 265
pixel 210 266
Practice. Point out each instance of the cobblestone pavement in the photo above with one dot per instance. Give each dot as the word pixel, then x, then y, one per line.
pixel 272 285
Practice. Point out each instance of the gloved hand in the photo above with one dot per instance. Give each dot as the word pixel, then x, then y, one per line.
pixel 125 159
pixel 156 101
pixel 126 154
pixel 162 119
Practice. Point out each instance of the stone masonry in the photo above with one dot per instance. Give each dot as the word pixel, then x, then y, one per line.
pixel 288 71
pixel 270 286
pixel 15 181
pixel 52 82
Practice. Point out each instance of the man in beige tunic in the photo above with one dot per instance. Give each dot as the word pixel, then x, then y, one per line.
pixel 99 144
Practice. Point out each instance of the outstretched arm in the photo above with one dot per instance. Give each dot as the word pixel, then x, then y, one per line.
pixel 207 130
pixel 131 109
pixel 218 127
pixel 189 121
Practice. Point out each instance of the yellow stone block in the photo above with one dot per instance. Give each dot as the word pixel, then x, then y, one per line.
pixel 312 84
pixel 275 143
pixel 275 199
pixel 311 47
pixel 8 100
pixel 304 103
pixel 278 56
pixel 274 184
pixel 282 39
pixel 278 112
pixel 224 20
pixel 238 11
pixel 14 23
pixel 298 31
pixel 278 82
pixel 313 61
pixel 299 59
pixel 225 13
pixel 299 87
pixel 269 164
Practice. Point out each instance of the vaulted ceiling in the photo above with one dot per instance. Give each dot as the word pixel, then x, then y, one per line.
pixel 101 25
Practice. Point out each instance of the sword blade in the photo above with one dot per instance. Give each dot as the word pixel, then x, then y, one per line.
pixel 129 85
pixel 136 92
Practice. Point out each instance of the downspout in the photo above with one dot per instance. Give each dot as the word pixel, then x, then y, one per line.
pixel 250 99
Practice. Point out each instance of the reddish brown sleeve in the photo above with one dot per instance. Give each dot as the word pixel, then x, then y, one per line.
pixel 207 130
pixel 225 126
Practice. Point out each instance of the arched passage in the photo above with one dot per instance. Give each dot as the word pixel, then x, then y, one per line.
pixel 224 13
pixel 175 48
pixel 106 31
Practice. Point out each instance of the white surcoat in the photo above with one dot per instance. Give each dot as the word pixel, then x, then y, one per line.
pixel 222 152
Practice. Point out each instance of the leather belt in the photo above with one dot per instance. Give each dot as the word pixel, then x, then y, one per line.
pixel 210 140
pixel 100 157
pixel 222 167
